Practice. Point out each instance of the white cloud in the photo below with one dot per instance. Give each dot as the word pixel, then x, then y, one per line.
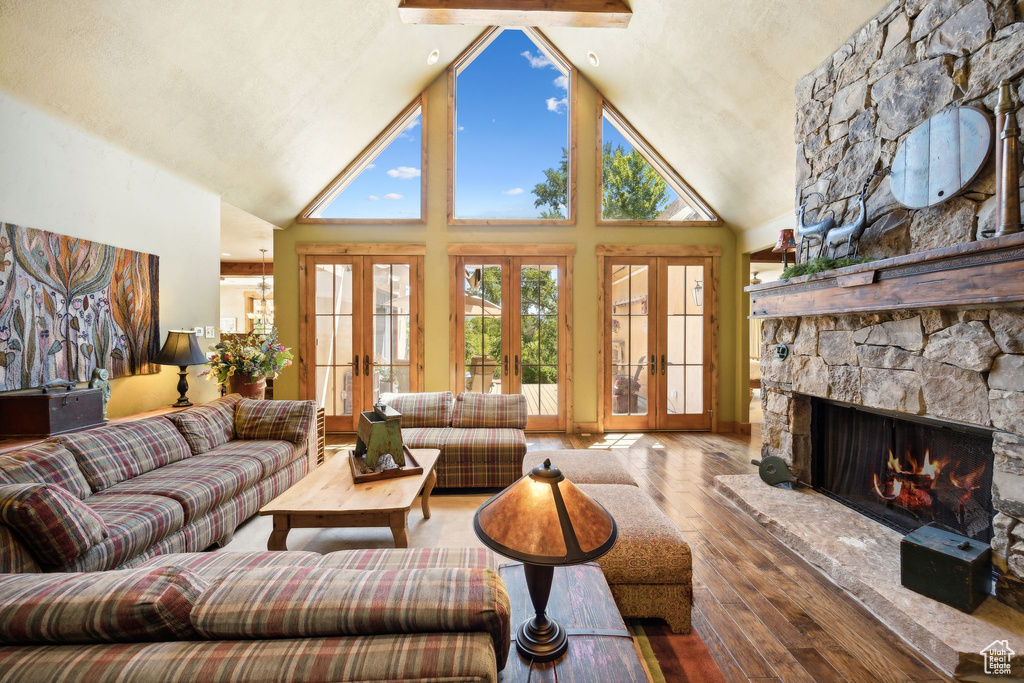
pixel 462 128
pixel 404 172
pixel 369 166
pixel 373 198
pixel 392 195
pixel 557 106
pixel 514 191
pixel 562 82
pixel 538 61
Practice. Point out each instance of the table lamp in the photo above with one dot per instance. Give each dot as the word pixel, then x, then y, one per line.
pixel 181 349
pixel 785 243
pixel 544 521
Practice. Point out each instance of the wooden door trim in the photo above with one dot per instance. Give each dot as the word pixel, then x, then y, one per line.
pixel 511 249
pixel 363 249
pixel 682 250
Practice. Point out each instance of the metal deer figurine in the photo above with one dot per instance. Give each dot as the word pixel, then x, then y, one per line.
pixel 815 232
pixel 850 233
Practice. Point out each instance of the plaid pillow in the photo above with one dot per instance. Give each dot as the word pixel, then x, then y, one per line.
pixel 207 426
pixel 274 420
pixel 44 463
pixel 99 607
pixel 491 411
pixel 55 526
pixel 424 409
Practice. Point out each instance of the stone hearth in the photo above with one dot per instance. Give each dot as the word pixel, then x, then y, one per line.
pixel 862 556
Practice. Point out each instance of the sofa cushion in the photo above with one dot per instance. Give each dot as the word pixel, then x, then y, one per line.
pixel 103 455
pixel 154 442
pixel 124 606
pixel 410 558
pixel 425 437
pixel 197 484
pixel 301 602
pixel 134 523
pixel 650 548
pixel 54 525
pixel 212 566
pixel 44 463
pixel 274 420
pixel 207 426
pixel 424 409
pixel 481 457
pixel 272 455
pixel 490 411
pixel 15 557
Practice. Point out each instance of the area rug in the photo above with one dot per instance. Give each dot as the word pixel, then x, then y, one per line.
pixel 672 656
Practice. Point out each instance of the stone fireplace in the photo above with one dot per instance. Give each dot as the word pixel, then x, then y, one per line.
pixel 964 370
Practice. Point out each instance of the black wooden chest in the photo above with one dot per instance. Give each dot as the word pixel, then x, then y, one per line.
pixel 946 566
pixel 33 412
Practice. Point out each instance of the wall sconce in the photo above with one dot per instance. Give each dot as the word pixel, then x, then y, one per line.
pixel 698 293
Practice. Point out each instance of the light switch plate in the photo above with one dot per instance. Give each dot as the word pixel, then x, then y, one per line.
pixel 198 330
pixel 210 331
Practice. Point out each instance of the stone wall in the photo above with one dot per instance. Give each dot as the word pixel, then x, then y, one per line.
pixel 964 366
pixel 914 59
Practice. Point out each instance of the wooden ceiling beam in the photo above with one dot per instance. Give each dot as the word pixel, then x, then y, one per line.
pixel 581 13
pixel 244 268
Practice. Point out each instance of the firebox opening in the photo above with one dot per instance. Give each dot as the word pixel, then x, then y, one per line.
pixel 904 471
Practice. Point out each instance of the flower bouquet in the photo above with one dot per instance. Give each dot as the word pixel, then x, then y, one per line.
pixel 244 363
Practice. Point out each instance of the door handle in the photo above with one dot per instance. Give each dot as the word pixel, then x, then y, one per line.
pixel 355 364
pixel 366 365
pixel 506 365
pixel 517 365
pixel 654 365
pixel 663 364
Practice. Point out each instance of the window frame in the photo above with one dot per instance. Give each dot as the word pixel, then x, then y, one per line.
pixel 362 160
pixel 657 162
pixel 556 56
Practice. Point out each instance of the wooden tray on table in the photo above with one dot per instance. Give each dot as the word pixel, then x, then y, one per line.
pixel 412 467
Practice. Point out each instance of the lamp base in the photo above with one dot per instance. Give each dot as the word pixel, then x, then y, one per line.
pixel 541 642
pixel 182 401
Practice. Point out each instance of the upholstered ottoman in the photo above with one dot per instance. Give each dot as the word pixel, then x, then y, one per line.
pixel 583 466
pixel 649 569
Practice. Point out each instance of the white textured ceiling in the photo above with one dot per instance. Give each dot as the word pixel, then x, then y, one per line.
pixel 242 235
pixel 264 101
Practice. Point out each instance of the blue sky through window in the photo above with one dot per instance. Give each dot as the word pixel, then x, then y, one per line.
pixel 390 186
pixel 512 121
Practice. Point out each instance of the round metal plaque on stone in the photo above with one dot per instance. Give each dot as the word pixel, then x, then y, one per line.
pixel 941 157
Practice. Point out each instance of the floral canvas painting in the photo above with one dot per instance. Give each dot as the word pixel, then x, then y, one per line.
pixel 69 305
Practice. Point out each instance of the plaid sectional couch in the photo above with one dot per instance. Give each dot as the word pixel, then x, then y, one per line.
pixel 358 615
pixel 480 436
pixel 116 496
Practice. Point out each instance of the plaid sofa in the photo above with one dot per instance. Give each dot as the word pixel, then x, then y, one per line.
pixel 358 615
pixel 115 496
pixel 480 436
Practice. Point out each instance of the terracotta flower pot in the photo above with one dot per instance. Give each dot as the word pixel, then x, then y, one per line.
pixel 248 387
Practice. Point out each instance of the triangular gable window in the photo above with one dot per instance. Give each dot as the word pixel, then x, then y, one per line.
pixel 512 131
pixel 638 187
pixel 385 183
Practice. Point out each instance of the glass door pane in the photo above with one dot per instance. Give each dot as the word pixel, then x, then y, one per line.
pixel 334 322
pixel 482 330
pixel 538 351
pixel 685 340
pixel 629 292
pixel 391 323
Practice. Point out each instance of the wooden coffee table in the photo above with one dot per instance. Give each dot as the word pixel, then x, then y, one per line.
pixel 600 647
pixel 327 498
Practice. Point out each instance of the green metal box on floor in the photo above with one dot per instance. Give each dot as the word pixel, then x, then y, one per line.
pixel 946 566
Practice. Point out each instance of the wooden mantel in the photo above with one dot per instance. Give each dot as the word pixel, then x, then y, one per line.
pixel 983 273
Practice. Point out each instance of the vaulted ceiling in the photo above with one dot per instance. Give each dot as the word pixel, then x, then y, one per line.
pixel 264 101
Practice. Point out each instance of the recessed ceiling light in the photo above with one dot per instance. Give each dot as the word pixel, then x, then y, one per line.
pixel 432 58
pixel 592 58
pixel 224 253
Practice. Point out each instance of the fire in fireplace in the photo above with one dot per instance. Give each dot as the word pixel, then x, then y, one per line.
pixel 904 471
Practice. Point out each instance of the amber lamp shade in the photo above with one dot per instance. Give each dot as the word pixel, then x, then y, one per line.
pixel 181 349
pixel 544 521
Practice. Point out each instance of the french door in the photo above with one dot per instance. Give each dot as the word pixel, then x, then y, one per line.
pixel 658 336
pixel 361 332
pixel 510 329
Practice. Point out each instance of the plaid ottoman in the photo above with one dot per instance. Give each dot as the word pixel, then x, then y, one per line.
pixel 583 466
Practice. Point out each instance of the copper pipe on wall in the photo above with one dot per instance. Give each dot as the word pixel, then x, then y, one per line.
pixel 1008 160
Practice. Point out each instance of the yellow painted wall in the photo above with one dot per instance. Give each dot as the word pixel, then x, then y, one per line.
pixel 585 235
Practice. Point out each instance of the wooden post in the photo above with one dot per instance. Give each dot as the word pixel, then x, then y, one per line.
pixel 1008 158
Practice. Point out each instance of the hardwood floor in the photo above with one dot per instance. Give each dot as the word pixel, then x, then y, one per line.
pixel 765 614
